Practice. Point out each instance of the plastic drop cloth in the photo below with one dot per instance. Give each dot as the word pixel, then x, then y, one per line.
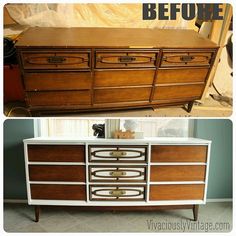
pixel 89 15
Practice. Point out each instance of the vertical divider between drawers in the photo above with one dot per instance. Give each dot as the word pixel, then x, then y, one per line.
pixel 27 172
pixel 87 172
pixel 148 171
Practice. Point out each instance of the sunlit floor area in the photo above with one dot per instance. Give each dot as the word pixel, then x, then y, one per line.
pixel 213 217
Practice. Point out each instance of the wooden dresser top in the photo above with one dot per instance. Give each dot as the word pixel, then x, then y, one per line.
pixel 112 37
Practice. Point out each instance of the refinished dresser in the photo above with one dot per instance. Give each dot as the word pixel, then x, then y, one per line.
pixel 86 69
pixel 111 174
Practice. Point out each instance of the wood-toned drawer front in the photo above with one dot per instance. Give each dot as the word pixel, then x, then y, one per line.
pixel 178 173
pixel 179 153
pixel 56 173
pixel 111 78
pixel 186 59
pixel 122 59
pixel 56 153
pixel 59 98
pixel 177 192
pixel 117 193
pixel 178 92
pixel 58 192
pixel 117 153
pixel 57 81
pixel 122 95
pixel 186 75
pixel 56 60
pixel 117 173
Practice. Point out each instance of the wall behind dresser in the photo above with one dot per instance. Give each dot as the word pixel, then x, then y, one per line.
pixel 219 131
pixel 14 170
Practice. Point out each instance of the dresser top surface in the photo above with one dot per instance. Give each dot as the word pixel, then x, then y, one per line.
pixel 94 140
pixel 112 37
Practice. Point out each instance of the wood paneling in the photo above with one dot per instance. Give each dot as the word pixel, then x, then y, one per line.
pixel 57 81
pixel 58 192
pixel 178 173
pixel 121 95
pixel 177 192
pixel 123 78
pixel 176 153
pixel 56 173
pixel 58 98
pixel 186 75
pixel 56 153
pixel 178 91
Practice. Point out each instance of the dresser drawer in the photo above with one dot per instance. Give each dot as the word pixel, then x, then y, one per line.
pixel 56 60
pixel 178 153
pixel 178 92
pixel 186 59
pixel 177 192
pixel 57 81
pixel 117 193
pixel 185 75
pixel 58 192
pixel 117 153
pixel 125 59
pixel 56 173
pixel 178 173
pixel 109 78
pixel 122 95
pixel 56 153
pixel 59 98
pixel 117 173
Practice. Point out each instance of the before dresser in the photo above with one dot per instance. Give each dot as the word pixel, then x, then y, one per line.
pixel 111 174
pixel 86 69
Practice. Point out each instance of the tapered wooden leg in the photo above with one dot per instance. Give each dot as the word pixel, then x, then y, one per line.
pixel 37 211
pixel 195 212
pixel 190 106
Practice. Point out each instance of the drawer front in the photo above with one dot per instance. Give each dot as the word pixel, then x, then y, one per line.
pixel 178 173
pixel 117 173
pixel 122 59
pixel 56 173
pixel 178 92
pixel 56 153
pixel 59 98
pixel 186 75
pixel 178 153
pixel 117 193
pixel 58 192
pixel 186 59
pixel 56 60
pixel 118 153
pixel 177 192
pixel 109 78
pixel 57 81
pixel 121 95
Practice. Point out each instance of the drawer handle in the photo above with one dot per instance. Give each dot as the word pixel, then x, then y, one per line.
pixel 187 58
pixel 56 59
pixel 117 153
pixel 126 59
pixel 117 193
pixel 117 173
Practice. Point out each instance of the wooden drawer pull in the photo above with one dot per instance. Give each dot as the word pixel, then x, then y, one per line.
pixel 187 58
pixel 56 59
pixel 126 59
pixel 117 193
pixel 117 153
pixel 117 173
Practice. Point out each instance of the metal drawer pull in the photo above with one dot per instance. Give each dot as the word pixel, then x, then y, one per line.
pixel 127 59
pixel 117 173
pixel 56 59
pixel 187 58
pixel 117 193
pixel 118 153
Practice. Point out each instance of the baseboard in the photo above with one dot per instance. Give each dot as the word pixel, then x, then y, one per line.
pixel 15 201
pixel 219 200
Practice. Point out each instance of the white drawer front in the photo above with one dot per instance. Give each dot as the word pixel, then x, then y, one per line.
pixel 117 193
pixel 117 153
pixel 117 173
